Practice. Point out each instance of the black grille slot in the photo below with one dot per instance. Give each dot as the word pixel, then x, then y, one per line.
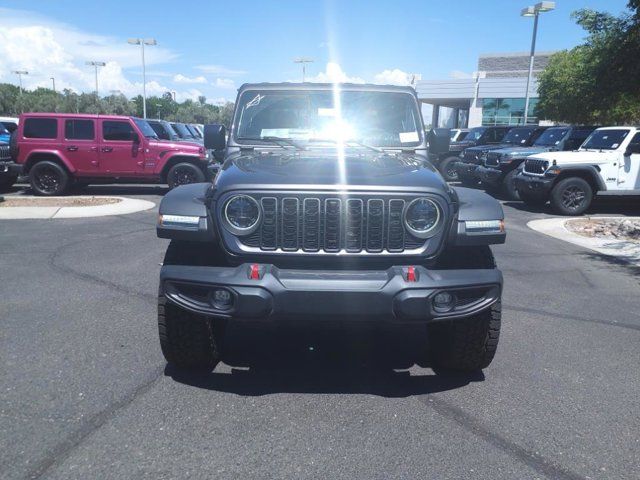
pixel 395 242
pixel 472 157
pixel 311 225
pixel 269 230
pixel 492 160
pixel 353 227
pixel 533 165
pixel 375 225
pixel 290 224
pixel 332 216
pixel 4 153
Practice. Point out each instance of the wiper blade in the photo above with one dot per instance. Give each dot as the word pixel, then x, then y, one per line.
pixel 282 141
pixel 353 142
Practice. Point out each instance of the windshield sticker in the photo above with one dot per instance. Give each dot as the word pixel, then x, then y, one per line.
pixel 254 101
pixel 409 137
pixel 326 112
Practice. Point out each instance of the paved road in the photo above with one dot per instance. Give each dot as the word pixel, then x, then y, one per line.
pixel 84 392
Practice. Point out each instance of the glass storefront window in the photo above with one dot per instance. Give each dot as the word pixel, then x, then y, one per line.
pixel 507 111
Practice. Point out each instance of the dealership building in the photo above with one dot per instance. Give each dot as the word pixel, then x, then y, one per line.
pixel 494 96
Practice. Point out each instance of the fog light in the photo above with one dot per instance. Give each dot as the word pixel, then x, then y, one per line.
pixel 222 299
pixel 443 301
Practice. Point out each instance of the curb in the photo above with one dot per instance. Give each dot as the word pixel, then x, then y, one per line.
pixel 626 250
pixel 123 207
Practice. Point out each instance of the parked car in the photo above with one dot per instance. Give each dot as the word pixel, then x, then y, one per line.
pixel 56 150
pixel 9 123
pixel 607 163
pixel 446 162
pixel 183 132
pixel 164 130
pixel 500 167
pixel 471 157
pixel 5 135
pixel 296 229
pixel 8 174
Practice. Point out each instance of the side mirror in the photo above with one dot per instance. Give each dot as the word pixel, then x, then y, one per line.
pixel 135 138
pixel 631 149
pixel 438 141
pixel 214 137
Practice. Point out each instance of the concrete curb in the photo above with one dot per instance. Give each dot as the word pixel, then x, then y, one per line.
pixel 123 207
pixel 626 250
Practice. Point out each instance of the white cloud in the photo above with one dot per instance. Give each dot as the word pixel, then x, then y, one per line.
pixel 220 70
pixel 393 77
pixel 179 78
pixel 225 83
pixel 334 74
pixel 459 74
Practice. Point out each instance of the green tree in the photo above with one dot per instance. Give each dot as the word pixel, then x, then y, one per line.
pixel 596 82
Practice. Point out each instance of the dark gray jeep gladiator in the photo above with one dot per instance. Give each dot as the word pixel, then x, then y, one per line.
pixel 326 208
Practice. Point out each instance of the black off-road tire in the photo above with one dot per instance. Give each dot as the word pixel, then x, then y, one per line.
pixel 48 179
pixel 571 196
pixel 467 345
pixel 509 185
pixel 187 340
pixel 6 182
pixel 447 170
pixel 183 174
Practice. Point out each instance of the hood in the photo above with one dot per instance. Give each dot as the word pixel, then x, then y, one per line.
pixel 459 146
pixel 322 169
pixel 189 147
pixel 486 148
pixel 577 157
pixel 520 151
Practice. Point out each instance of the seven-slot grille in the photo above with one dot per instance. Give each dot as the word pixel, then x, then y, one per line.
pixel 4 153
pixel 332 224
pixel 535 166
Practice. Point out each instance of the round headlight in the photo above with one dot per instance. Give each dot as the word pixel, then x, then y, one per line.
pixel 422 217
pixel 242 214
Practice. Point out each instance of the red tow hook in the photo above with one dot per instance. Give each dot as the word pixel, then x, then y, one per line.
pixel 410 274
pixel 254 272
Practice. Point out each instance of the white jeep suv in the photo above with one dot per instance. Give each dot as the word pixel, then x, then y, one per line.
pixel 607 163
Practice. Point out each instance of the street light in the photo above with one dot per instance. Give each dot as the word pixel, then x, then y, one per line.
pixel 53 80
pixel 303 61
pixel 142 42
pixel 534 12
pixel 20 73
pixel 95 65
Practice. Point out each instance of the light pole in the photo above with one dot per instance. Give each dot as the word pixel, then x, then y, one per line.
pixel 95 65
pixel 53 80
pixel 534 12
pixel 158 109
pixel 142 42
pixel 303 61
pixel 20 73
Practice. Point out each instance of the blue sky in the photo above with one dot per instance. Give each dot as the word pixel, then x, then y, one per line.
pixel 211 47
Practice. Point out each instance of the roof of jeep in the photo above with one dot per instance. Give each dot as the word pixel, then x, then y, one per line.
pixel 325 86
pixel 75 115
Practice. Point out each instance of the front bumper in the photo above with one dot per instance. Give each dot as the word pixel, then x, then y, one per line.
pixel 533 186
pixel 10 168
pixel 467 170
pixel 310 295
pixel 489 175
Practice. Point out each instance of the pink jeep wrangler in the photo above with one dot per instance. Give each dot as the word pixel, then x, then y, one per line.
pixel 58 150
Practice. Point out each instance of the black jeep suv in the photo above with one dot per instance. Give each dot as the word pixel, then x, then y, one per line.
pixel 326 208
pixel 446 162
pixel 471 158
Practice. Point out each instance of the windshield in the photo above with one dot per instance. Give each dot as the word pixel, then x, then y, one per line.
pixel 192 131
pixel 518 136
pixel 181 130
pixel 551 137
pixel 381 119
pixel 605 139
pixel 474 134
pixel 145 128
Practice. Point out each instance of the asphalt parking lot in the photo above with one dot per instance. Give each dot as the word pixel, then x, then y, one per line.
pixel 85 393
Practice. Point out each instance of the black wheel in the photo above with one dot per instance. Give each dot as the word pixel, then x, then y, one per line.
pixel 509 185
pixel 187 340
pixel 466 345
pixel 48 178
pixel 571 196
pixel 448 170
pixel 6 182
pixel 183 174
